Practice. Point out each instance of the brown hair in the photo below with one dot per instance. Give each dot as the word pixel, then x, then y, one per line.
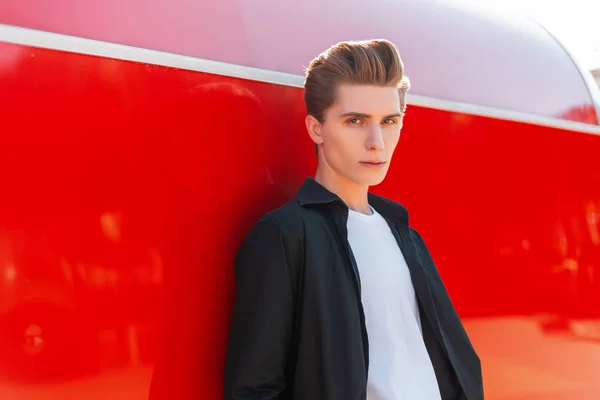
pixel 368 62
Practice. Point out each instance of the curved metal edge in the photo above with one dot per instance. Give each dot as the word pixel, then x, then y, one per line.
pixel 586 75
pixel 73 44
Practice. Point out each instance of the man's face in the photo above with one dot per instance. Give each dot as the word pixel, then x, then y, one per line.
pixel 360 132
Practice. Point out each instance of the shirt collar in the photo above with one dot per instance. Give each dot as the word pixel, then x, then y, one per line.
pixel 313 193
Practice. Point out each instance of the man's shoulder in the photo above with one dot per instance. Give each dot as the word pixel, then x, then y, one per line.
pixel 288 218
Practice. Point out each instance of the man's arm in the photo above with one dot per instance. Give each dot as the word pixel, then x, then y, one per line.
pixel 262 318
pixel 461 342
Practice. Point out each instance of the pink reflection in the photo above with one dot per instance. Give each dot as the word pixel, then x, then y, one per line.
pixel 10 273
pixel 520 361
pixel 11 55
pixel 122 384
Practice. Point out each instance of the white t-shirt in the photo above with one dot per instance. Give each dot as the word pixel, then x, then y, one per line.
pixel 399 365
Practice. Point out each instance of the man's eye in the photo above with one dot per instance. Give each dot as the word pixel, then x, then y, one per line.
pixel 353 121
pixel 389 121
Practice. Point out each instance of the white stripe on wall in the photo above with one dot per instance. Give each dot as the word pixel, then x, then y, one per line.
pixel 55 41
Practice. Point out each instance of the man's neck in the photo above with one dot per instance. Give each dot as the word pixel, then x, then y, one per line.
pixel 355 196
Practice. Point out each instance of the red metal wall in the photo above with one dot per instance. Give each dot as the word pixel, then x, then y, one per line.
pixel 126 189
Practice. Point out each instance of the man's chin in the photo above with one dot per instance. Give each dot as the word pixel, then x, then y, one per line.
pixel 371 180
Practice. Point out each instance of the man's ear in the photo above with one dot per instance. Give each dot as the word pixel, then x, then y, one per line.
pixel 314 128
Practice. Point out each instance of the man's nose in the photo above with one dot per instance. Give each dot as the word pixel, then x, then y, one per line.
pixel 375 139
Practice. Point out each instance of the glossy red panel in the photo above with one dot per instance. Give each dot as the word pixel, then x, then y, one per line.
pixel 126 189
pixel 452 50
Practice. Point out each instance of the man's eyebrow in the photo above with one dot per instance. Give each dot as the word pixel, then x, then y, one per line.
pixel 355 114
pixel 366 116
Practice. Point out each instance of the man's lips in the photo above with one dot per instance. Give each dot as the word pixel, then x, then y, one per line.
pixel 373 164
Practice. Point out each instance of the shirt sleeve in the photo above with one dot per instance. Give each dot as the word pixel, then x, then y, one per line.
pixel 261 327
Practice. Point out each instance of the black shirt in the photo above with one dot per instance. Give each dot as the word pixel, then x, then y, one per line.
pixel 298 330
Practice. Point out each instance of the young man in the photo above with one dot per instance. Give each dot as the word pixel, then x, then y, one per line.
pixel 337 296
